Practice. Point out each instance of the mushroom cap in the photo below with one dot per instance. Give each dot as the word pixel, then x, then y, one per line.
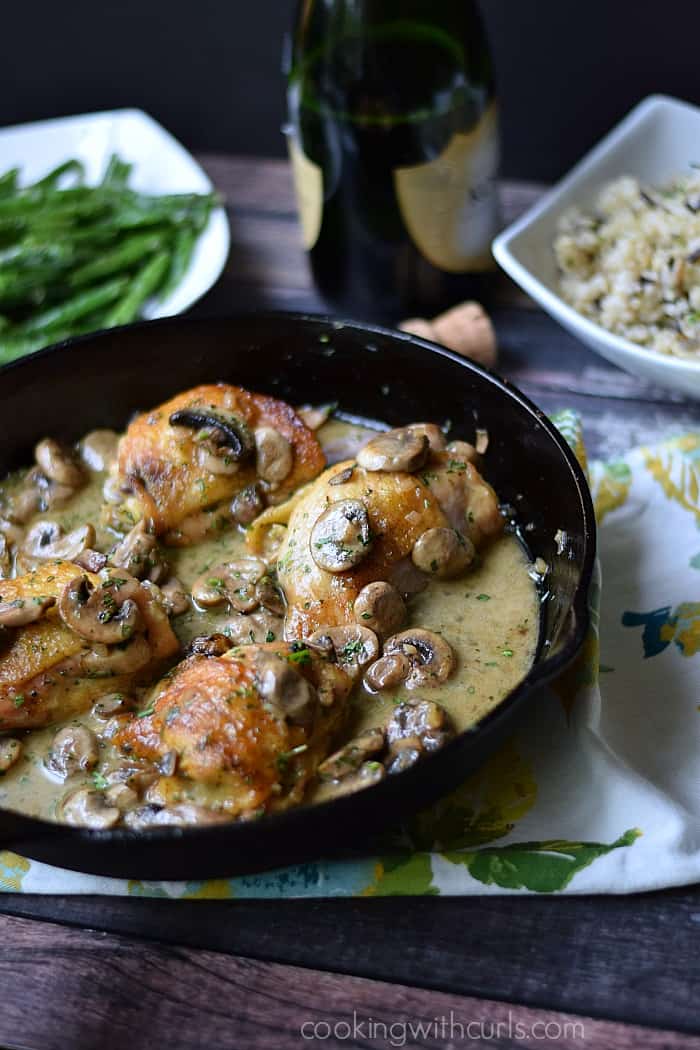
pixel 432 659
pixel 274 455
pixel 223 429
pixel 106 614
pixel 443 552
pixel 233 582
pixel 58 463
pixel 74 749
pixel 352 646
pixel 89 809
pixel 401 449
pixel 380 607
pixel 341 536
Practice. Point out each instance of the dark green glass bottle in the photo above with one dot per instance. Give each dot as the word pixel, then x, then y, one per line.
pixel 394 144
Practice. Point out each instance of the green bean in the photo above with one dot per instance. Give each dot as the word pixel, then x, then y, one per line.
pixel 183 248
pixel 144 284
pixel 122 257
pixel 12 347
pixel 8 182
pixel 79 306
pixel 117 172
pixel 49 181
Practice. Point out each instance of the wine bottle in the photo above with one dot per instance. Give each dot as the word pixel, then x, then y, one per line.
pixel 393 138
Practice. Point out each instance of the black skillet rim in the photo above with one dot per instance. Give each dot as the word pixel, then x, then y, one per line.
pixel 30 828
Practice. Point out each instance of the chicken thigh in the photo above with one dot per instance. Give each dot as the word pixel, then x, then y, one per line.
pixel 241 732
pixel 180 466
pixel 410 507
pixel 69 635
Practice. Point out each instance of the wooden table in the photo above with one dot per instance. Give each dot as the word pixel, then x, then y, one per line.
pixel 112 973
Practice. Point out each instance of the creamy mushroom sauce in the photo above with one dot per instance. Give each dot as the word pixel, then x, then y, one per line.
pixel 490 616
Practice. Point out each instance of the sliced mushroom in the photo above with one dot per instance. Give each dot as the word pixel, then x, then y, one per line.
pixel 233 582
pixel 400 449
pixel 10 750
pixel 421 725
pixel 343 476
pixel 100 614
pixel 122 796
pixel 434 434
pixel 430 656
pixel 138 554
pixel 314 416
pixel 270 596
pixel 223 429
pixel 380 607
pixel 74 749
pixel 351 756
pixel 274 455
pixel 443 552
pixel 99 449
pixel 5 557
pixel 93 561
pixel 180 814
pixel 388 672
pixel 368 774
pixel 58 464
pixel 89 809
pixel 111 704
pixel 106 660
pixel 217 459
pixel 22 611
pixel 209 645
pixel 46 540
pixel 284 689
pixel 352 647
pixel 177 600
pixel 463 452
pixel 253 628
pixel 397 762
pixel 247 505
pixel 341 537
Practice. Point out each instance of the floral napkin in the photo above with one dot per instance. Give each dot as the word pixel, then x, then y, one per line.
pixel 600 791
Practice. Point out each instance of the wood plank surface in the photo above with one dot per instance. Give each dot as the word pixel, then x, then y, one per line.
pixel 101 992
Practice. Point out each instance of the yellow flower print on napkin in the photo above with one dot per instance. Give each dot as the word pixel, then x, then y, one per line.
pixel 13 868
pixel 661 627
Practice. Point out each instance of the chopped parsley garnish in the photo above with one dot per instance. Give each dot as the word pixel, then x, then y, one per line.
pixel 18 700
pixel 99 781
pixel 483 597
pixel 284 757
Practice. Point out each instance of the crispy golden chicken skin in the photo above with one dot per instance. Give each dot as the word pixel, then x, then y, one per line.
pixel 57 654
pixel 182 463
pixel 354 526
pixel 244 731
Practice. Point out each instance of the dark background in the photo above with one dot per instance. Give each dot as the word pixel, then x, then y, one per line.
pixel 210 70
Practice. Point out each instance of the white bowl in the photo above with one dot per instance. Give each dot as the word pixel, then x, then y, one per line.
pixel 658 139
pixel 161 165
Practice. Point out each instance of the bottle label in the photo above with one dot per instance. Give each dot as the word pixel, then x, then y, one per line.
pixel 450 205
pixel 308 180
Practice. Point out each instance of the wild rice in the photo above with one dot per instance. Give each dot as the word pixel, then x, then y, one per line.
pixel 633 264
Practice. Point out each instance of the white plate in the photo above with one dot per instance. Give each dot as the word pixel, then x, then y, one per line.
pixel 657 140
pixel 161 165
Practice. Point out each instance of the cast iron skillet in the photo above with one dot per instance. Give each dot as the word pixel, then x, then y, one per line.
pixel 100 380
